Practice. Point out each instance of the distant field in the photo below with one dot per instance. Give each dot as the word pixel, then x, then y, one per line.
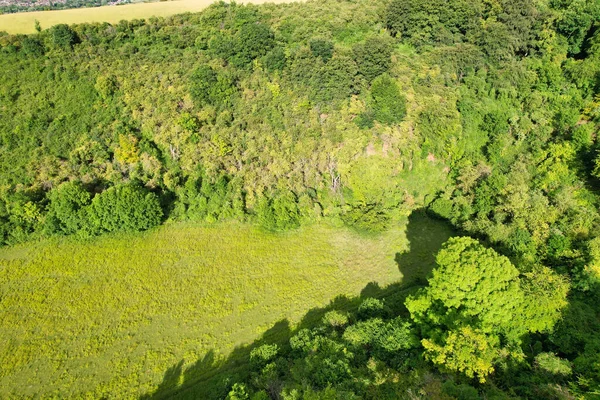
pixel 111 316
pixel 25 22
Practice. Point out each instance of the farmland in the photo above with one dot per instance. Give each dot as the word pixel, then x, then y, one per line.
pixel 25 22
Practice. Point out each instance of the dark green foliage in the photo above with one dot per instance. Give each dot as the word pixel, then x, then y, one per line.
pixel 321 48
pixel 126 208
pixel 209 87
pixel 460 391
pixel 432 21
pixel 576 21
pixel 32 47
pixel 63 36
pixel 67 211
pixel 387 103
pixel 370 217
pixel 373 56
pixel 372 308
pixel 335 80
pixel 254 40
pixel 275 60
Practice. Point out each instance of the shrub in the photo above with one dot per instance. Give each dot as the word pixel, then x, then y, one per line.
pixel 32 47
pixel 371 308
pixel 209 87
pixel 67 208
pixel 253 41
pixel 275 59
pixel 335 319
pixel 124 208
pixel 336 80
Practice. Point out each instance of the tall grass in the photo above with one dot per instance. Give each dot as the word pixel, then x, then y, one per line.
pixel 109 317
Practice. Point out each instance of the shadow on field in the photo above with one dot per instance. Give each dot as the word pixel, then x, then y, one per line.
pixel 211 377
pixel 425 235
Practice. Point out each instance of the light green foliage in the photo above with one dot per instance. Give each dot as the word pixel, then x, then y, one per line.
pixel 287 116
pixel 466 350
pixel 238 392
pixel 552 364
pixel 170 295
pixel 474 298
pixel 263 354
pixel 474 281
pixel 335 319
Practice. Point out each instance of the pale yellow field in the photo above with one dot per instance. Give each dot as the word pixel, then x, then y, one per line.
pixel 25 22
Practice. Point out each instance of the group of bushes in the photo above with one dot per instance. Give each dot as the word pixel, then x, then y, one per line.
pixel 72 209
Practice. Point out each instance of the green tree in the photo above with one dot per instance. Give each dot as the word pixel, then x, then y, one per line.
pixel 253 41
pixel 63 36
pixel 67 212
pixel 321 48
pixel 477 300
pixel 126 208
pixel 388 104
pixel 373 56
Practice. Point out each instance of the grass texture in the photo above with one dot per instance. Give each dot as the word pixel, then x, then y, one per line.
pixel 109 317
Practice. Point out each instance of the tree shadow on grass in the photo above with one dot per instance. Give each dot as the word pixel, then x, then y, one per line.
pixel 211 377
pixel 425 235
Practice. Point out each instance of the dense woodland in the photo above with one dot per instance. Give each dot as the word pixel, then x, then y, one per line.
pixel 484 113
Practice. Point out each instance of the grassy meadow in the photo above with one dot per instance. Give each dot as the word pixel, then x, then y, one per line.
pixel 109 317
pixel 25 22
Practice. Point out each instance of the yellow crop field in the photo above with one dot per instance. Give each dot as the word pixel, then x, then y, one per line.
pixel 25 22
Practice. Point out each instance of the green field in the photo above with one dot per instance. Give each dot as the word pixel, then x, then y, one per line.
pixel 111 316
pixel 25 22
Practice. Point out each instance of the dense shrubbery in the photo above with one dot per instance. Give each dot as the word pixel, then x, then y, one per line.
pixel 485 113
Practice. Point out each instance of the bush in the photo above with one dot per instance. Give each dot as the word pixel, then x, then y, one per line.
pixel 336 80
pixel 370 217
pixel 209 87
pixel 372 308
pixel 125 208
pixel 335 319
pixel 67 212
pixel 279 213
pixel 263 354
pixel 275 60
